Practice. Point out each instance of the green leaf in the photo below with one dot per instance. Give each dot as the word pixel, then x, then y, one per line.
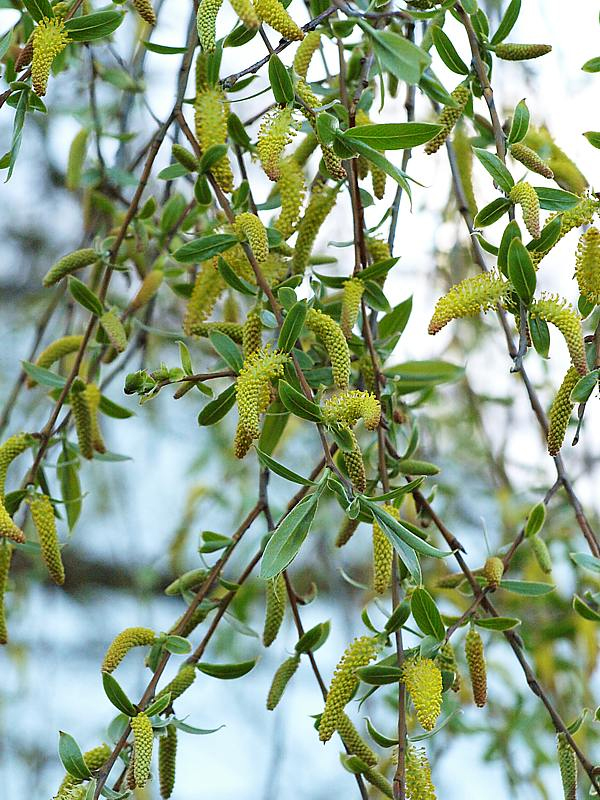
pixel 93 26
pixel 593 65
pixel 282 471
pixel 280 80
pixel 218 408
pixel 202 249
pixel 43 376
pixel 292 325
pixel 528 588
pixel 520 123
pixel 327 125
pixel 239 284
pixel 172 171
pixel 17 133
pixel 540 335
pixel 183 726
pixel 593 138
pixel 70 487
pixel 39 9
pixel 275 421
pixel 313 638
pixel 375 157
pixel 394 135
pixel 378 737
pixel 521 271
pixel 112 409
pixel 117 696
pixel 5 43
pixel 414 376
pixel 227 349
pixel 286 541
pixel 447 52
pixel 237 131
pixel 398 617
pixel 397 492
pixel 72 757
pixel 508 21
pixel 396 321
pixel 158 705
pixel 374 296
pixel 227 672
pixel 379 674
pixel 584 387
pixel 548 237
pixel 396 530
pixel 556 199
pixel 496 169
pixel 492 212
pixel 298 404
pixel 585 560
pixel 397 55
pixel 177 645
pixel 84 296
pixel 426 615
pixel 163 49
pixel 535 520
pixel 584 610
pixel 214 154
pixel 498 623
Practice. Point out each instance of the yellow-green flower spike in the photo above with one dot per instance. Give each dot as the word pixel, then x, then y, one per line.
pixel 350 406
pixel 468 298
pixel 5 559
pixel 145 10
pixel 167 754
pixel 113 328
pixel 553 309
pixel 378 179
pixel 330 334
pixel 560 412
pixel 208 287
pixel 355 744
pixel 378 780
pixel 69 264
pixel 355 465
pixel 93 759
pixel 321 202
pixel 524 195
pixel 123 643
pixel 275 15
pixel 180 683
pixel 234 330
pixel 378 249
pixel 142 748
pixel 76 159
pixel 292 189
pixel 196 618
pixel 419 785
pixel 54 352
pixel 281 679
pixel 8 529
pixel 42 514
pixel 275 609
pixel 344 683
pixel 149 287
pixel 582 214
pixel 383 554
pixel 567 764
pixel 206 21
pixel 252 333
pixel 310 105
pixel 446 661
pixel 9 450
pixel 477 669
pixel 248 226
pixel 587 268
pixel 493 570
pixel 423 680
pixel 246 13
pixel 185 157
pixel 464 161
pixel 448 118
pixel 305 52
pixel 541 553
pixel 346 531
pixel 276 131
pixel 211 113
pixel 91 396
pixel 509 51
pixel 351 296
pixel 305 149
pixel 49 39
pixel 530 159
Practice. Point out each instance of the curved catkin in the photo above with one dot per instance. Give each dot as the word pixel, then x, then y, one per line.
pixel 383 554
pixel 320 204
pixel 560 412
pixel 446 661
pixel 281 679
pixel 567 764
pixel 8 529
pixel 76 160
pixel 5 559
pixel 206 21
pixel 467 299
pixel 55 351
pixel 344 683
pixel 145 10
pixel 274 14
pixel 246 13
pixel 346 531
pixel 180 683
pixel 69 264
pixel 464 162
pixel 9 450
pixel 211 113
pixel 331 336
pixel 275 609
pixel 419 785
pixel 350 406
pixel 553 309
pixel 234 330
pixel 529 158
pixel 208 287
pixel 524 195
pixel 541 553
pixel 304 53
pixel 509 51
pixel 587 265
pixel 423 680
pixel 355 465
pixel 142 748
pixel 355 744
pixel 277 129
pixel 249 226
pixel 49 39
pixel 582 214
pixel 448 119
pixel 167 754
pixel 42 514
pixel 123 643
pixel 93 397
pixel 185 157
pixel 114 330
pixel 477 669
pixel 493 570
pixel 149 287
pixel 292 189
pixel 351 296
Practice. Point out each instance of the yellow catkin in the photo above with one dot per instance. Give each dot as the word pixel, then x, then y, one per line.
pixel 42 514
pixel 423 680
pixel 346 531
pixel 211 113
pixel 5 559
pixel 355 465
pixel 208 287
pixel 378 780
pixel 557 311
pixel 446 661
pixel 567 764
pixel 275 15
pixel 76 160
pixel 464 161
pixel 560 412
pixel 69 264
pixel 54 352
pixel 524 195
pixel 8 529
pixel 276 131
pixel 142 748
pixel 419 785
pixel 383 554
pixel 92 397
pixel 493 571
pixel 509 51
pixel 448 118
pixel 345 682
pixel 113 327
pixel 582 214
pixel 149 287
pixel 123 643
pixel 246 13
pixel 206 21
pixel 529 158
pixel 249 226
pixel 378 249
pixel 167 754
pixel 49 39
pixel 321 202
pixel 350 406
pixel 281 679
pixel 310 105
pixel 196 618
pixel 378 178
pixel 587 268
pixel 541 553
pixel 292 189
pixel 275 609
pixel 353 740
pixel 94 759
pixel 252 334
pixel 351 296
pixel 9 450
pixel 234 330
pixel 330 334
pixel 305 52
pixel 145 10
pixel 180 683
pixel 468 298
pixel 477 668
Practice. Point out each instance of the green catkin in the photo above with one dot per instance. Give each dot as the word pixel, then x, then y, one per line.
pixel 560 412
pixel 581 214
pixel 351 297
pixel 470 297
pixel 493 570
pixel 292 189
pixel 54 352
pixel 208 287
pixel 419 785
pixel 274 14
pixel 448 118
pixel 379 781
pixel 248 226
pixel 566 173
pixel 464 161
pixel 529 158
pixel 185 157
pixel 197 618
pixel 321 202
pixel 246 13
pixel 149 287
pixel 423 680
pixel 211 113
pixel 142 748
pixel 180 683
pixel 8 529
pixel 346 531
pixel 252 334
pixel 557 311
pixel 344 683
pixel 477 669
pixel 234 330
pixel 167 753
pixel 231 309
pixel 350 406
pixel 524 195
pixel 42 514
pixel 305 149
pixel 304 53
pixel 76 160
pixel 91 395
pixel 355 465
pixel 310 105
pixel 378 249
pixel 123 643
pixel 367 371
pixel 206 21
pixel 145 10
pixel 541 553
pixel 9 450
pixel 69 264
pixel 567 764
pixel 49 39
pixel 383 554
pixel 5 559
pixel 509 51
pixel 446 661
pixel 281 679
pixel 378 178
pixel 94 759
pixel 276 131
pixel 113 328
pixel 587 268
pixel 275 609
pixel 331 336
pixel 353 740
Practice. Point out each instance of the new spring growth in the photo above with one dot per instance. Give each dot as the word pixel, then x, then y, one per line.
pixel 211 113
pixel 321 202
pixel 304 53
pixel 378 176
pixel 477 669
pixel 9 450
pixel 8 529
pixel 567 763
pixel 493 570
pixel 423 680
pixel 345 682
pixel 292 189
pixel 275 608
pixel 329 333
pixel 94 759
pixel 524 195
pixel 281 679
pixel 587 265
pixel 419 785
pixel 180 683
pixel 246 12
pixel 206 21
pixel 383 554
pixel 310 105
pixel 5 559
pixel 167 754
pixel 275 15
pixel 49 39
pixel 42 514
pixel 378 249
pixel 560 412
pixel 509 51
pixel 145 10
pixel 351 296
pixel 448 118
pixel 446 661
pixel 468 298
pixel 142 748
pixel 277 129
pixel 69 264
pixel 541 553
pixel 530 159
pixel 553 309
pixel 355 465
pixel 54 352
pixel 248 226
pixel 123 643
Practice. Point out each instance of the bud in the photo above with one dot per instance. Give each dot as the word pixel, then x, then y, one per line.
pixel 304 53
pixel 553 309
pixel 275 15
pixel 367 371
pixel 528 157
pixel 560 412
pixel 292 189
pixel 49 39
pixel 42 514
pixel 69 264
pixel 330 334
pixel 524 194
pixel 383 554
pixel 234 330
pixel 167 753
pixel 206 20
pixel 180 683
pixel 211 113
pixel 477 669
pixel 509 51
pixel 468 298
pixel 281 679
pixel 12 447
pixel 448 118
pixel 275 608
pixel 346 531
pixel 567 763
pixel 493 571
pixel 54 352
pixel 446 661
pixel 25 56
pixel 123 643
pixel 423 681
pixel 5 559
pixel 252 333
pixel 320 204
pixel 419 785
pixel 250 227
pixel 145 10
pixel 142 748
pixel 541 553
pixel 351 297
pixel 587 269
